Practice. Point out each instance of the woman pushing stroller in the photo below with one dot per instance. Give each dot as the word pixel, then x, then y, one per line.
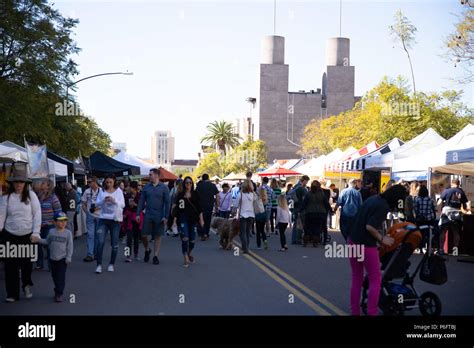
pixel 366 232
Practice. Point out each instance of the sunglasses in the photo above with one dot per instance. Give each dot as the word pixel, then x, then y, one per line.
pixel 188 182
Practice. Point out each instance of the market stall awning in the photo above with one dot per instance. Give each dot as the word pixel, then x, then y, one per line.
pixel 100 165
pixel 55 168
pixel 125 157
pixel 279 172
pixel 9 154
pixel 422 142
pixel 435 157
pixel 72 167
pixel 166 175
pixel 235 177
pixel 458 162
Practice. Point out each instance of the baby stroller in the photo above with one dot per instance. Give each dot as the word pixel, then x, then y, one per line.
pixel 397 297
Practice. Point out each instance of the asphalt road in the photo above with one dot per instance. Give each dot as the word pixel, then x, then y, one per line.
pixel 301 281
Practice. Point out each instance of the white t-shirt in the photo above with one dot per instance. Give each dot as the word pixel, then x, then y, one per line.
pixel 109 210
pixel 19 218
pixel 89 197
pixel 246 205
pixel 283 216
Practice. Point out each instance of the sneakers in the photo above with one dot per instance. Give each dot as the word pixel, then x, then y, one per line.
pixel 128 259
pixel 147 255
pixel 265 244
pixel 10 300
pixel 136 258
pixel 28 293
pixel 88 258
pixel 155 260
pixel 58 299
pixel 98 270
pixel 191 258
pixel 110 268
pixel 259 248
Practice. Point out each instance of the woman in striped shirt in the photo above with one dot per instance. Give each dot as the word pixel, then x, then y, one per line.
pixel 50 206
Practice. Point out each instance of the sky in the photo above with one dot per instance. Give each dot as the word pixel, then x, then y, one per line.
pixel 194 62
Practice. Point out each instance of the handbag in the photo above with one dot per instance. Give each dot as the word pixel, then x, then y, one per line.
pixel 433 270
pixel 258 206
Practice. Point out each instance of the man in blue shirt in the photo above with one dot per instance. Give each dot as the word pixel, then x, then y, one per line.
pixel 155 199
pixel 350 201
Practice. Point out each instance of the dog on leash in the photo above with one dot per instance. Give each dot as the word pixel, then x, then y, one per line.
pixel 227 229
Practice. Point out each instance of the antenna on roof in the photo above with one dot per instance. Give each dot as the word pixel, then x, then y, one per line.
pixel 274 16
pixel 340 18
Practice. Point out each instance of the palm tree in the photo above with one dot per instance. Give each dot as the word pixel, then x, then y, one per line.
pixel 221 135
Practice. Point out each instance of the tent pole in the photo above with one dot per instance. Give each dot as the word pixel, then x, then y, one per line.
pixel 429 182
pixel 73 179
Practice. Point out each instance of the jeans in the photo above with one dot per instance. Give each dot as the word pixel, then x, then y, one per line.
pixel 345 225
pixel 371 264
pixel 134 236
pixel 296 232
pixel 273 215
pixel 245 227
pixel 44 234
pixel 104 226
pixel 70 222
pixel 15 265
pixel 91 225
pixel 58 272
pixel 260 232
pixel 207 215
pixel 223 214
pixel 281 230
pixel 188 236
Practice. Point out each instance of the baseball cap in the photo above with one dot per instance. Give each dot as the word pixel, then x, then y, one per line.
pixel 60 216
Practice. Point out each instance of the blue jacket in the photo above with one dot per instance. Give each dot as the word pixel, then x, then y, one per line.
pixel 156 201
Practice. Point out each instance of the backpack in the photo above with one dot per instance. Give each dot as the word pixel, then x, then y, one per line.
pixel 292 194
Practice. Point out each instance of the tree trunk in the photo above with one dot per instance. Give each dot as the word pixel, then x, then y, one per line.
pixel 411 68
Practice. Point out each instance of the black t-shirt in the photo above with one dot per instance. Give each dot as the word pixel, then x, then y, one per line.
pixel 188 209
pixel 207 191
pixel 373 212
pixel 454 197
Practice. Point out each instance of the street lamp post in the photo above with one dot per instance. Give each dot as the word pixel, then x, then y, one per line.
pixel 92 76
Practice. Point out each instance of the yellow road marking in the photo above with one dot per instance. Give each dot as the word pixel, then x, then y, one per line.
pixel 298 284
pixel 319 310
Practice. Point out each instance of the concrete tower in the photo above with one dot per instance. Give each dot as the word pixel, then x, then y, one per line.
pixel 340 76
pixel 272 101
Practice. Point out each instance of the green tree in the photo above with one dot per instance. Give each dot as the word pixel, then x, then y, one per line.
pixel 385 112
pixel 211 164
pixel 221 135
pixel 35 66
pixel 460 44
pixel 248 156
pixel 404 31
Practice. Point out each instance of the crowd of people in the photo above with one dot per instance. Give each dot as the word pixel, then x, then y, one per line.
pixel 141 215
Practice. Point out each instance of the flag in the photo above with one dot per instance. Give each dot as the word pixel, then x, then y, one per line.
pixel 37 160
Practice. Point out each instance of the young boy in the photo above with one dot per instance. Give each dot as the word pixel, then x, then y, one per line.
pixel 60 243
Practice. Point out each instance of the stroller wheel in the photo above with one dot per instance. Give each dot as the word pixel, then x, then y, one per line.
pixel 430 304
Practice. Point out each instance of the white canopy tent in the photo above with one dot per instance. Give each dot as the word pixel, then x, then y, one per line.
pixel 458 161
pixel 127 158
pixel 8 154
pixel 315 167
pixel 361 162
pixel 424 141
pixel 434 157
pixel 55 168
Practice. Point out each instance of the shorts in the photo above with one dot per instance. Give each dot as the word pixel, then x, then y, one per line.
pixel 153 228
pixel 269 214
